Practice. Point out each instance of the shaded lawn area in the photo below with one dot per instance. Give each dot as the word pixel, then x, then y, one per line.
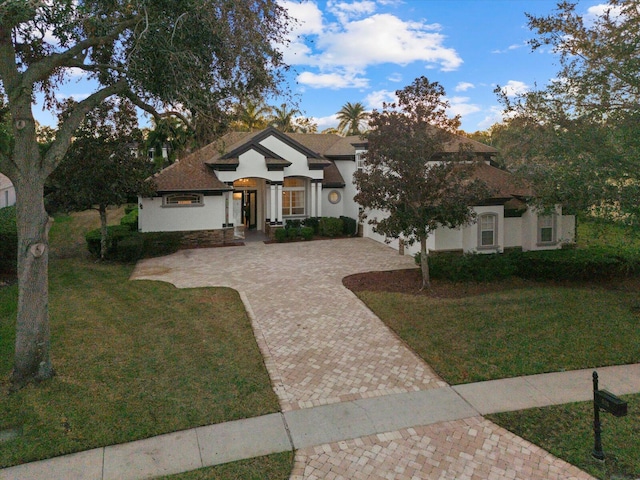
pixel 567 432
pixel 512 332
pixel 133 360
pixel 273 467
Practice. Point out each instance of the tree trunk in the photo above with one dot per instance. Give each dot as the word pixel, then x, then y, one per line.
pixel 103 231
pixel 32 359
pixel 424 263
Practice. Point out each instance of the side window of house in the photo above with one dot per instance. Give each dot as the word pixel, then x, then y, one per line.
pixel 487 230
pixel 293 194
pixel 183 199
pixel 547 229
pixel 359 161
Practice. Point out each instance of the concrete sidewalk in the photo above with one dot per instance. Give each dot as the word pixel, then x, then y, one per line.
pixel 349 425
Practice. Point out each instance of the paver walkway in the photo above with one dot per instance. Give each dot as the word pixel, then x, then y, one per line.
pixel 322 346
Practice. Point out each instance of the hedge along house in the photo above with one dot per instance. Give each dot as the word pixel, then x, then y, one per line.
pixel 260 180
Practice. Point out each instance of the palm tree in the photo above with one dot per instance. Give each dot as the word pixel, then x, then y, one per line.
pixel 251 115
pixel 351 117
pixel 282 118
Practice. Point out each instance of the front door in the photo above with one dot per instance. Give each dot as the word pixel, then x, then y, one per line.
pixel 250 208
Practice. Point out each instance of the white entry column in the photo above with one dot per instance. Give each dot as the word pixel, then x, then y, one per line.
pixel 272 204
pixel 317 193
pixel 279 203
pixel 314 199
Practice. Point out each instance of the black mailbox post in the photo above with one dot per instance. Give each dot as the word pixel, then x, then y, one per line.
pixel 608 402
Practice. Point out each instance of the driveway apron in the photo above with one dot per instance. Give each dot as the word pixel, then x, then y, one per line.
pixel 323 346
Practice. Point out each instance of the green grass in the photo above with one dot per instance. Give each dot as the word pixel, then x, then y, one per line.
pixel 567 432
pixel 515 332
pixel 133 360
pixel 271 467
pixel 532 330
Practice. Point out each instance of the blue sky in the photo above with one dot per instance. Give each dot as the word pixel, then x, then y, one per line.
pixel 363 51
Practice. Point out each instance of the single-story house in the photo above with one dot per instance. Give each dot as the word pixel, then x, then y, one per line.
pixel 260 180
pixel 7 192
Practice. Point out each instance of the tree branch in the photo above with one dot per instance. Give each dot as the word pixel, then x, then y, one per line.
pixel 42 69
pixel 137 101
pixel 64 136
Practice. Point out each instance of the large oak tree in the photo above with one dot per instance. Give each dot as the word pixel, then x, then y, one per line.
pixel 407 176
pixel 577 139
pixel 184 56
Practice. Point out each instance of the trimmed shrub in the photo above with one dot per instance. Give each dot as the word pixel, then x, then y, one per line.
pixel 306 233
pixel 330 227
pixel 131 220
pixel 594 263
pixel 157 244
pixel 115 233
pixel 129 249
pixel 8 240
pixel 349 226
pixel 293 233
pixel 293 224
pixel 129 208
pixel 125 245
pixel 312 222
pixel 280 234
pixel 470 267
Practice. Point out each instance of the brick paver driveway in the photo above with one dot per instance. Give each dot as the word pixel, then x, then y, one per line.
pixel 322 345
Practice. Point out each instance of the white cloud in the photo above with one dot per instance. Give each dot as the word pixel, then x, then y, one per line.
pixel 395 77
pixel 326 122
pixel 461 106
pixel 510 48
pixel 494 115
pixel 514 88
pixel 359 40
pixel 75 72
pixel 598 11
pixel 384 38
pixel 308 21
pixel 76 96
pixel 464 86
pixel 346 11
pixel 333 80
pixel 375 99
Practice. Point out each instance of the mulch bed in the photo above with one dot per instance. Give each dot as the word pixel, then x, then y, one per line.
pixel 409 281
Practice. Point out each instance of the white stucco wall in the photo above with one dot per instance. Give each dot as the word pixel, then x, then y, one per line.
pixel 333 210
pixel 7 192
pixel 252 164
pixel 299 166
pixel 154 217
pixel 512 232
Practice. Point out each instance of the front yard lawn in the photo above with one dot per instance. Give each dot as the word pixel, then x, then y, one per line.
pixel 514 331
pixel 133 360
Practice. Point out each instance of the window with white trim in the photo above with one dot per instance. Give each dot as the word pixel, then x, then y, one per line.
pixel 487 230
pixel 359 161
pixel 547 229
pixel 293 194
pixel 183 199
